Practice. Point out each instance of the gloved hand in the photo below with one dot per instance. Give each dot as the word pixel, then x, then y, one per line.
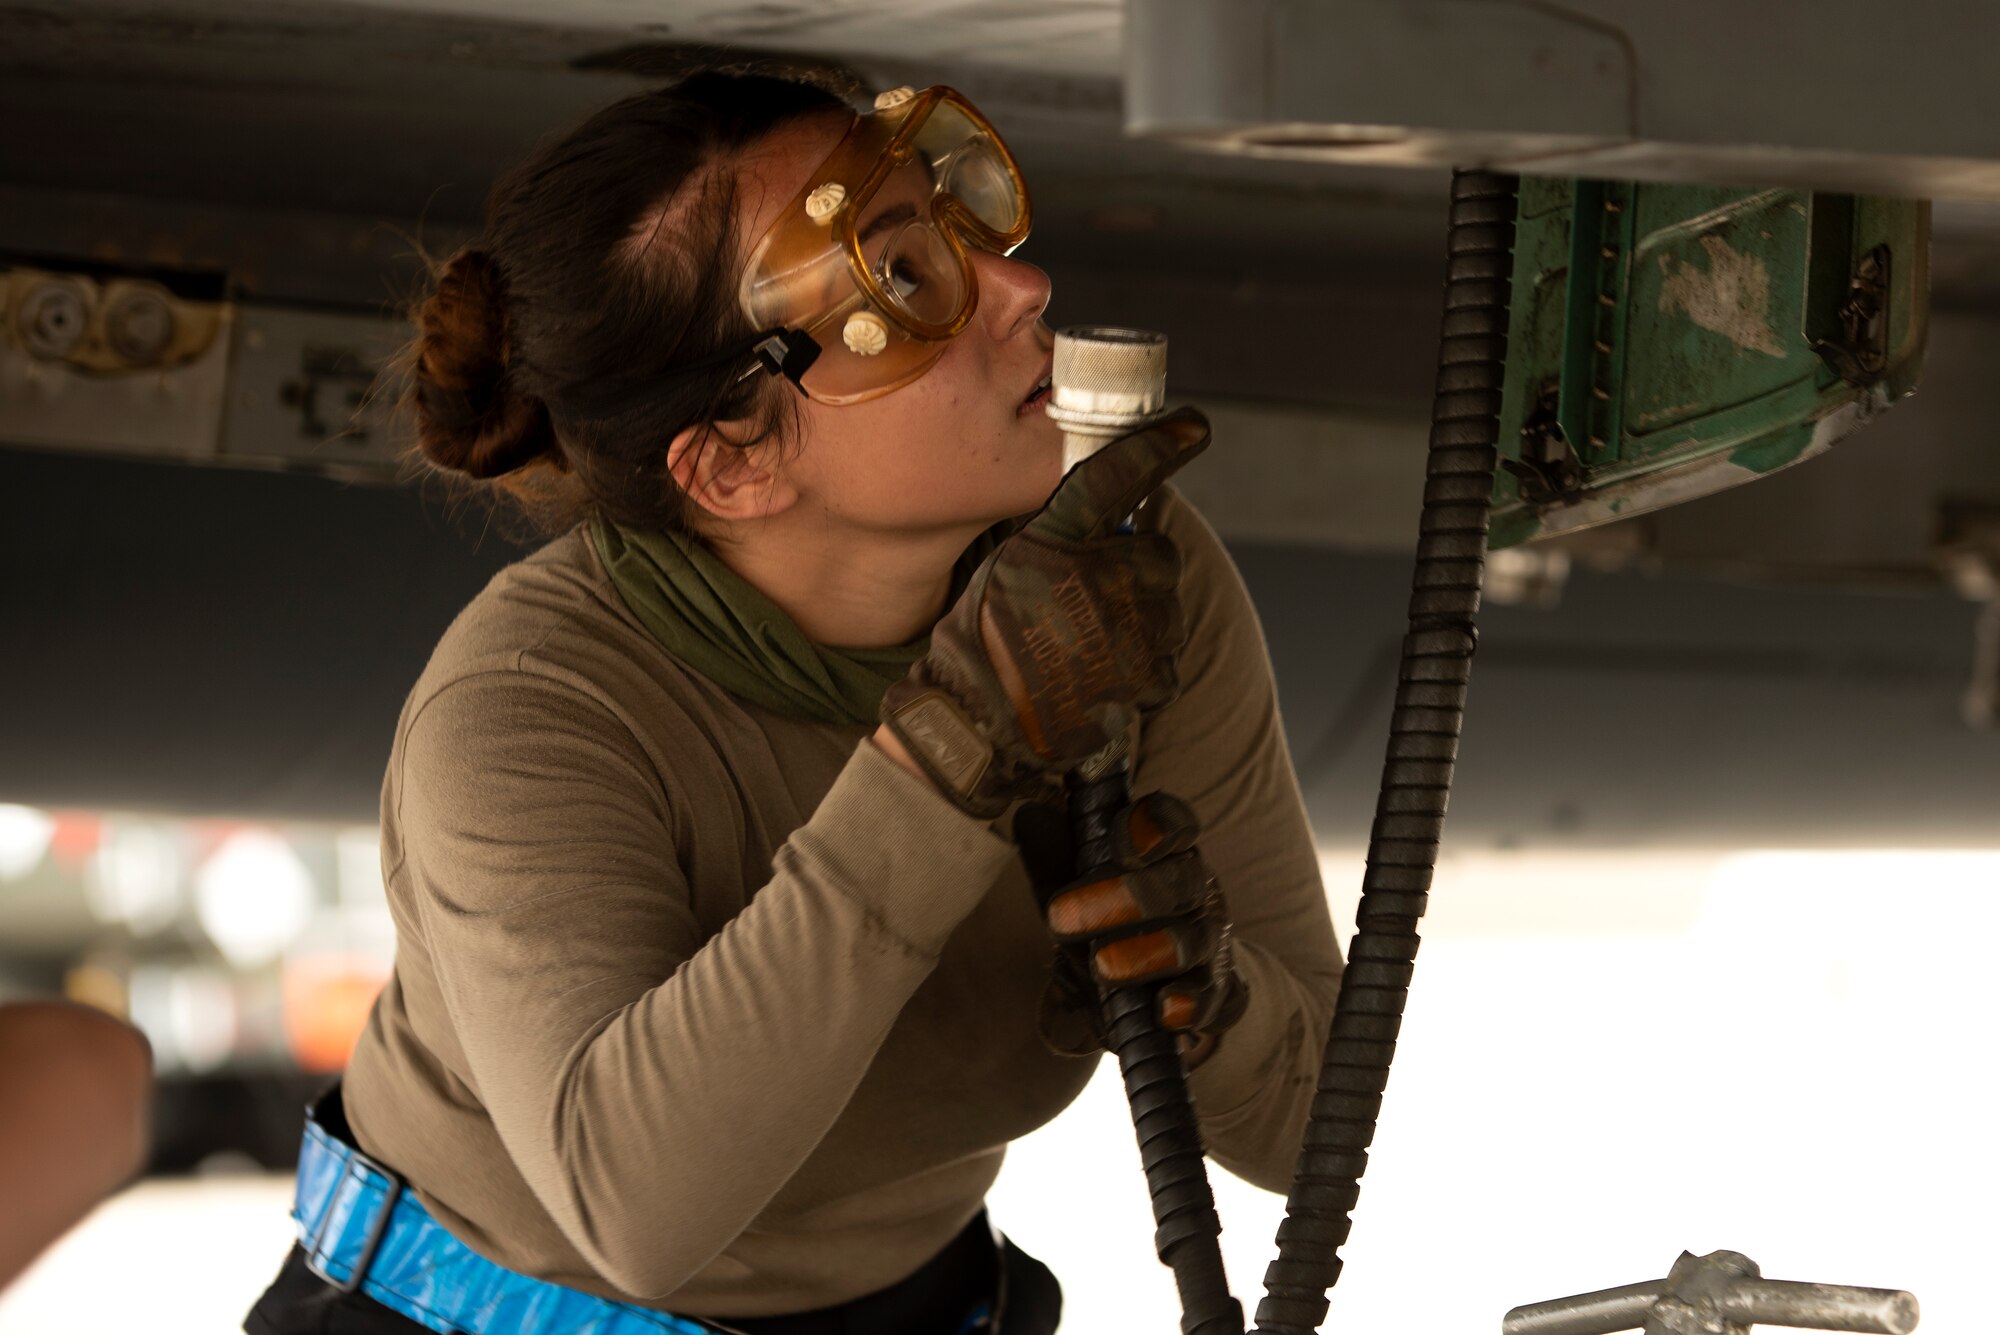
pixel 1157 916
pixel 1065 635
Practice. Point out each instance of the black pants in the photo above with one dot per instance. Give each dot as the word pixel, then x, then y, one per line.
pixel 930 1302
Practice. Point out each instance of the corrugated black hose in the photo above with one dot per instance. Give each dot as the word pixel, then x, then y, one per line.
pixel 1423 748
pixel 1186 1233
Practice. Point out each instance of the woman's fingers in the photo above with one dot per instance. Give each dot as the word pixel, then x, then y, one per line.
pixel 1158 918
pixel 1173 888
pixel 1155 827
pixel 1180 1009
pixel 1168 952
pixel 1207 997
pixel 1098 493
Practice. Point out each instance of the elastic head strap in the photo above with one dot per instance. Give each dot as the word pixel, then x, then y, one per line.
pixel 786 352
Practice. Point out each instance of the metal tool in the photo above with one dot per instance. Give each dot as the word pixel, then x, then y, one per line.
pixel 1722 1293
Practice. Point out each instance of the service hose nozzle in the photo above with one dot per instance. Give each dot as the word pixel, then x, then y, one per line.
pixel 1106 383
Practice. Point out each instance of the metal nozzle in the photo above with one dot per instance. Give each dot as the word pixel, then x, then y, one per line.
pixel 1105 383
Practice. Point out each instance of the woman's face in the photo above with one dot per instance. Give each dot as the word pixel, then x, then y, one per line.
pixel 956 446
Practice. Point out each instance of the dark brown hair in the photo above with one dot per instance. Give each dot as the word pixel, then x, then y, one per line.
pixel 544 357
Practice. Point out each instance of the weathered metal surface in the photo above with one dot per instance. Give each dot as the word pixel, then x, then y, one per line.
pixel 75 373
pixel 1722 1293
pixel 1587 1313
pixel 1806 93
pixel 122 365
pixel 314 391
pixel 1673 341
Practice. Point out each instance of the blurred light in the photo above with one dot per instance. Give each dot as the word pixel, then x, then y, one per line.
pixel 95 985
pixel 149 1009
pixel 1526 577
pixel 189 1016
pixel 358 863
pixel 1537 892
pixel 202 1010
pixel 25 835
pixel 1853 875
pixel 134 878
pixel 253 897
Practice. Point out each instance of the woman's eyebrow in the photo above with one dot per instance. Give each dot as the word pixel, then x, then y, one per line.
pixel 888 217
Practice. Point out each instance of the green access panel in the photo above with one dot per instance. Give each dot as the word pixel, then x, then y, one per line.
pixel 1668 341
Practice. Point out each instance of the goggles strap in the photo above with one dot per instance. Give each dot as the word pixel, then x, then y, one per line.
pixel 786 352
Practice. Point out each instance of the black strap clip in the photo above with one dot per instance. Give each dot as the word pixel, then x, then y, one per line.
pixel 787 352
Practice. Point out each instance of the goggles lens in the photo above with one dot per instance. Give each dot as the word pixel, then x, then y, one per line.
pixel 969 165
pixel 870 257
pixel 919 275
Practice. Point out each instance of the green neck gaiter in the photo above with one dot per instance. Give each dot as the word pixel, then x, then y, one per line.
pixel 710 618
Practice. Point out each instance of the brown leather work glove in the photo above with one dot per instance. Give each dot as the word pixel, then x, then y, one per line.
pixel 1157 917
pixel 1065 636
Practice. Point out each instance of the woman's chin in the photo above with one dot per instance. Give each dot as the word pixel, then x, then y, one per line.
pixel 1042 432
pixel 1049 460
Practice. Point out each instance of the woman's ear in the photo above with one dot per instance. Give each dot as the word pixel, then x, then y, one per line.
pixel 728 480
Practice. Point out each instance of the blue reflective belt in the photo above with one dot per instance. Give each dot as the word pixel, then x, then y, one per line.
pixel 361 1229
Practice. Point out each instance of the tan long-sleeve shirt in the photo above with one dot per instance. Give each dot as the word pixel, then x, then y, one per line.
pixel 726 1013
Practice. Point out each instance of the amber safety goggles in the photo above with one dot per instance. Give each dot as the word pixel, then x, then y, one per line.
pixel 865 276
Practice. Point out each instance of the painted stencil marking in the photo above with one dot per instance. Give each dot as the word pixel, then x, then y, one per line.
pixel 1732 297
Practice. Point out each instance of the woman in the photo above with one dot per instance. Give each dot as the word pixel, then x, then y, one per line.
pixel 721 985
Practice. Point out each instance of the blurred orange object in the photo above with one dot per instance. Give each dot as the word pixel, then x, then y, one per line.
pixel 326 1001
pixel 76 837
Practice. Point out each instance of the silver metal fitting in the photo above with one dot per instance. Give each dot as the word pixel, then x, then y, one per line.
pixel 1722 1293
pixel 1105 383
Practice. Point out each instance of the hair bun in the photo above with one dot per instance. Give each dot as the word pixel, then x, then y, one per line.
pixel 469 419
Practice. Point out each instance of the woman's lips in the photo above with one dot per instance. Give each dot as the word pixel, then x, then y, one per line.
pixel 1038 398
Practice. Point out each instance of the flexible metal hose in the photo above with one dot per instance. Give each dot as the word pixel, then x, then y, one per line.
pixel 1186 1234
pixel 1423 748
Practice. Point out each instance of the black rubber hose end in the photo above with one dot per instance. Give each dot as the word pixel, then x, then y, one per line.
pixel 1187 1230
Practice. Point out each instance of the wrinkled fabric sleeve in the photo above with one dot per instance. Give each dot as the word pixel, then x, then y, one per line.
pixel 655 1089
pixel 1220 745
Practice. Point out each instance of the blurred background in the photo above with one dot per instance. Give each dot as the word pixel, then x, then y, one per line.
pixel 1707 959
pixel 1610 1055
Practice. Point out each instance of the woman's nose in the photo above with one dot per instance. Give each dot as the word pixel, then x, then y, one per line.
pixel 1012 293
